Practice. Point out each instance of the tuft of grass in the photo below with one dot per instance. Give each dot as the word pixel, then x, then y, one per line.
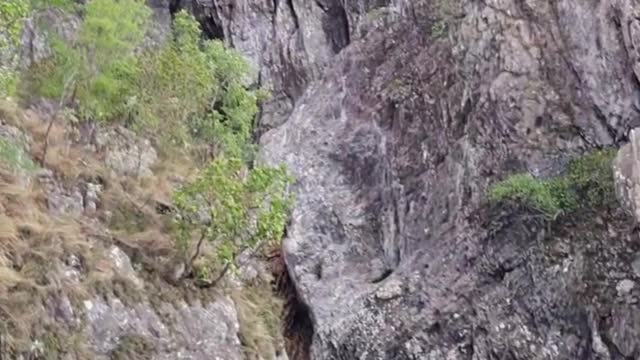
pixel 133 347
pixel 259 314
pixel 587 185
pixel 9 112
pixel 525 188
pixel 13 156
pixel 591 177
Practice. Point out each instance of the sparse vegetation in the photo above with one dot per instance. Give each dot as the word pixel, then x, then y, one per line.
pixel 445 14
pixel 259 314
pixel 96 71
pixel 587 185
pixel 189 94
pixel 14 156
pixel 133 347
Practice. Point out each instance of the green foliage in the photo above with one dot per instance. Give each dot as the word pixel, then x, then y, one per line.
pixel 524 187
pixel 14 156
pixel 232 208
pixel 12 14
pixel 195 89
pixel 100 64
pixel 592 178
pixel 587 185
pixel 57 4
pixel 8 82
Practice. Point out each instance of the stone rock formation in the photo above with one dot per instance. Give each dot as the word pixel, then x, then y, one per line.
pixel 392 244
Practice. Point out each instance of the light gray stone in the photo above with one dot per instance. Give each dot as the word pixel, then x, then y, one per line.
pixel 126 153
pixel 624 287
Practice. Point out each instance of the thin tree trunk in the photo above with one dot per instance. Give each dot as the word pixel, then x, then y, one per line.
pixel 53 118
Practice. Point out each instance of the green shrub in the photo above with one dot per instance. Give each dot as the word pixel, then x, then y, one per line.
pixel 97 70
pixel 527 189
pixel 12 14
pixel 232 208
pixel 13 156
pixel 587 185
pixel 591 176
pixel 195 89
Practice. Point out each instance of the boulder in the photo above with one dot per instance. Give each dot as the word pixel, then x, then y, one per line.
pixel 627 174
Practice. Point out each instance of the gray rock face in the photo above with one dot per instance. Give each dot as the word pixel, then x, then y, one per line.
pixel 288 43
pixel 195 332
pixel 627 175
pixel 392 245
pixel 35 41
pixel 125 153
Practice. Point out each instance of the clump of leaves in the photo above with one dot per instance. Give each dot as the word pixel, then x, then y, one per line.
pixel 526 188
pixel 587 185
pixel 12 15
pixel 99 65
pixel 57 4
pixel 233 209
pixel 591 177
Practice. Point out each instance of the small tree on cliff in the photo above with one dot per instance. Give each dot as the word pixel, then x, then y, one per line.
pixel 100 58
pixel 12 14
pixel 232 209
pixel 193 89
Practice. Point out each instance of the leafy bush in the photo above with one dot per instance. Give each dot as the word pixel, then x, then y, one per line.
pixel 97 70
pixel 231 208
pixel 587 185
pixel 12 14
pixel 13 156
pixel 592 178
pixel 195 89
pixel 524 187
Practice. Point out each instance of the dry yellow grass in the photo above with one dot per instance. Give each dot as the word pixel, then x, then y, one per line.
pixel 259 316
pixel 34 244
pixel 9 112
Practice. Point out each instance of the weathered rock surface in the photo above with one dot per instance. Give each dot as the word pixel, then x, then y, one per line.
pixel 125 153
pixel 392 245
pixel 185 331
pixel 288 43
pixel 627 175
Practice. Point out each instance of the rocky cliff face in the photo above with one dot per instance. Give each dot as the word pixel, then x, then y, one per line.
pixel 394 141
pixel 395 116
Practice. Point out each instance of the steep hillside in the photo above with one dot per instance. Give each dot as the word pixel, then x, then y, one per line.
pixel 455 189
pixel 133 223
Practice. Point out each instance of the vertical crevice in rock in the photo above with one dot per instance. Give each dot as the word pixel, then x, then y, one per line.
pixel 294 15
pixel 296 317
pixel 336 26
pixel 206 14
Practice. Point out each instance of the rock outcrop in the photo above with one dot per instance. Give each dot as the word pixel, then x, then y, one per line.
pixel 392 245
pixel 288 43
